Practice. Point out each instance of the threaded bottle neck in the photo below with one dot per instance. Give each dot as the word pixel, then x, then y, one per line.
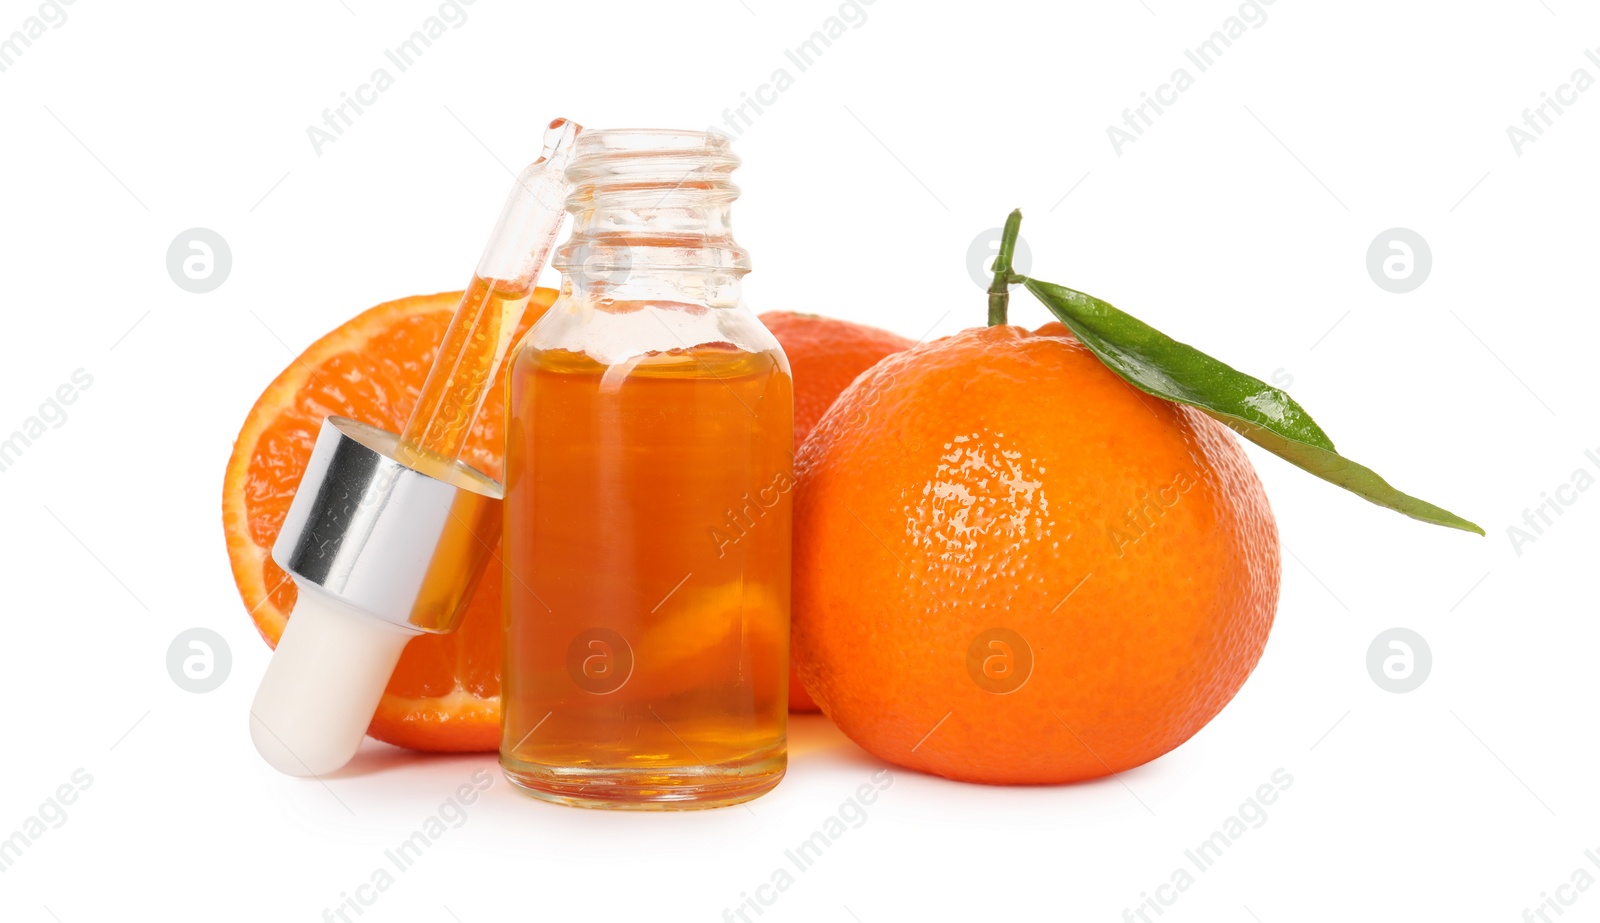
pixel 650 200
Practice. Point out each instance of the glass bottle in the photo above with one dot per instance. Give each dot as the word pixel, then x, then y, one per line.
pixel 649 472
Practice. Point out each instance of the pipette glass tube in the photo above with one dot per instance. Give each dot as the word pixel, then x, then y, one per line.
pixel 479 336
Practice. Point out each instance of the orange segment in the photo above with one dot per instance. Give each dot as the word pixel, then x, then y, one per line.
pixel 445 693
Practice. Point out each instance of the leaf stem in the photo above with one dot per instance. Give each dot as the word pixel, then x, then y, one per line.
pixel 999 290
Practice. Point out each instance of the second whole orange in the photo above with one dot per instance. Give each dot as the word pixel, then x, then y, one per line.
pixel 1012 567
pixel 825 355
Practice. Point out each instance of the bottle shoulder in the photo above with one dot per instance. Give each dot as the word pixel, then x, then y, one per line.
pixel 611 333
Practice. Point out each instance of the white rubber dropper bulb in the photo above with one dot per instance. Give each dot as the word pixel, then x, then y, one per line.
pixel 323 684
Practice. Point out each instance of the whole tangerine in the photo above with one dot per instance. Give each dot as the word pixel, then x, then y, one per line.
pixel 1013 567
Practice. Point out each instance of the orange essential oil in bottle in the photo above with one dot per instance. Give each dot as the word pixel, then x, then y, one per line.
pixel 649 477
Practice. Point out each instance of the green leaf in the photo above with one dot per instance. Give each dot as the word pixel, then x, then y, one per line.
pixel 1159 365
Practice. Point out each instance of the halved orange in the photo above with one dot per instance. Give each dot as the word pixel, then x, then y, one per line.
pixel 445 693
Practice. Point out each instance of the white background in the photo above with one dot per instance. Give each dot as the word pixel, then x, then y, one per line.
pixel 1240 222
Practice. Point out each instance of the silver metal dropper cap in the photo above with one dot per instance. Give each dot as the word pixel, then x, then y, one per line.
pixel 384 537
